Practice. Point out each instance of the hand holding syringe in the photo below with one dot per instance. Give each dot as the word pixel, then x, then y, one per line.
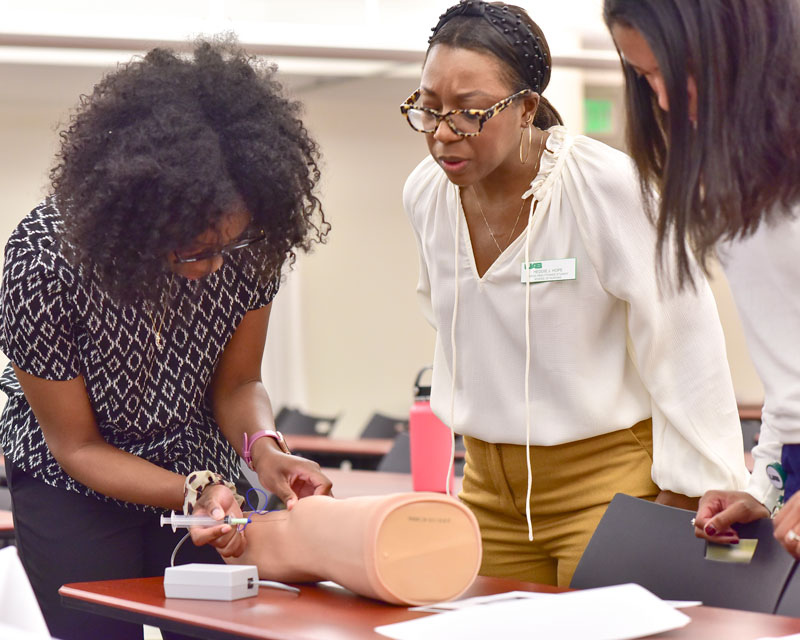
pixel 177 520
pixel 181 521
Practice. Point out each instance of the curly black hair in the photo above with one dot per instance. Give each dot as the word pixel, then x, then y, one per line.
pixel 164 147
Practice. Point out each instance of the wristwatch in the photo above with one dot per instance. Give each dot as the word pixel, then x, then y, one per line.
pixel 248 443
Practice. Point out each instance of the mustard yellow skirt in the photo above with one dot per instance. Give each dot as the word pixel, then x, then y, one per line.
pixel 573 484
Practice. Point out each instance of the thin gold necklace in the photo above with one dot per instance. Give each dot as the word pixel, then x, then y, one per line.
pixel 521 207
pixel 486 222
pixel 157 332
pixel 157 344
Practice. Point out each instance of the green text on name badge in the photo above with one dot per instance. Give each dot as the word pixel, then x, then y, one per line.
pixel 549 270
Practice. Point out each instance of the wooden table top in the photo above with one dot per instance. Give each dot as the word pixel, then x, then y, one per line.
pixel 324 444
pixel 360 446
pixel 355 482
pixel 329 613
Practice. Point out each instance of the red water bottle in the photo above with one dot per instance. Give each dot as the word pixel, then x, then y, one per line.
pixel 430 441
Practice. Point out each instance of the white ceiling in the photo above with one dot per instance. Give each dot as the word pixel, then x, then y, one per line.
pixel 321 37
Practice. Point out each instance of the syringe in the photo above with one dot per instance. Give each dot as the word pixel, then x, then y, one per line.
pixel 178 520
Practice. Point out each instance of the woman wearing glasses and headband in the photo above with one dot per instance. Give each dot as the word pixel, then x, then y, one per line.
pixel 712 92
pixel 570 375
pixel 135 303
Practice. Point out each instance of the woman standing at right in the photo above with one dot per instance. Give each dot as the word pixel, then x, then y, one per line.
pixel 712 91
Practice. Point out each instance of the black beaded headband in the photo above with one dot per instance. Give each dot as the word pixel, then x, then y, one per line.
pixel 516 32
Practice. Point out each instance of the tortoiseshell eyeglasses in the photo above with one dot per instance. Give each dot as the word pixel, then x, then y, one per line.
pixel 463 122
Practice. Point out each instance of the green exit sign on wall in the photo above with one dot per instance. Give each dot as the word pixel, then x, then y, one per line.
pixel 598 115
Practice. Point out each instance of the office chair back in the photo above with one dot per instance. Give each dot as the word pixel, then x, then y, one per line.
pixel 398 458
pixel 381 426
pixel 654 545
pixel 292 421
pixel 750 431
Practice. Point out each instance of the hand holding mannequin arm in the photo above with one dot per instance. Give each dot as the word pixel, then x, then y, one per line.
pixel 218 501
pixel 241 405
pixel 64 412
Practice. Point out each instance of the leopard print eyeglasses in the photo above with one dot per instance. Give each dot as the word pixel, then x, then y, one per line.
pixel 463 122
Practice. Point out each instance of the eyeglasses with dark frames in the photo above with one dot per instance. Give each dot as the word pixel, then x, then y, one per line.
pixel 184 257
pixel 463 122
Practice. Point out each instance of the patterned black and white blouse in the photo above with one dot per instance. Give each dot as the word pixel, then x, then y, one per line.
pixel 56 324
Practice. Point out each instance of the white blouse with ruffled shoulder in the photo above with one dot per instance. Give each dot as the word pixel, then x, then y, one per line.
pixel 607 349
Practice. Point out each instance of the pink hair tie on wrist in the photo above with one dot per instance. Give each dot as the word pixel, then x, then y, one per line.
pixel 248 443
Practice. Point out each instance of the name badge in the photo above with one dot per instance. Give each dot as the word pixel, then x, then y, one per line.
pixel 550 270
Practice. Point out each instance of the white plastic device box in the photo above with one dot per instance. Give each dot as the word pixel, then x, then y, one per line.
pixel 211 581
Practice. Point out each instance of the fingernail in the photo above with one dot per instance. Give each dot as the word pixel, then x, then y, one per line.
pixel 217 514
pixel 710 531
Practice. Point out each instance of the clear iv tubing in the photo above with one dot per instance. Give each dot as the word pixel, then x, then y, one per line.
pixel 177 520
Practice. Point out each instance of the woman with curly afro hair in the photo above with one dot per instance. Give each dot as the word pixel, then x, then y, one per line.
pixel 135 304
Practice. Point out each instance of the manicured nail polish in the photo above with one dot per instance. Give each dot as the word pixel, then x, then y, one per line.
pixel 710 531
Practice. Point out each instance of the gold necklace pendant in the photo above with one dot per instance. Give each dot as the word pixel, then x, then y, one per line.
pixel 519 213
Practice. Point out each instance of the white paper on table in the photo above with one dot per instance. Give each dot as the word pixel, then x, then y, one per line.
pixel 683 604
pixel 506 596
pixel 18 607
pixel 621 612
pixel 453 605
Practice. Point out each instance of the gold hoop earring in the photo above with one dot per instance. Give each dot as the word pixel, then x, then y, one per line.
pixel 524 158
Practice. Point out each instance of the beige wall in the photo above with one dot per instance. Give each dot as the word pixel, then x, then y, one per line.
pixel 749 389
pixel 347 337
pixel 26 145
pixel 365 338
